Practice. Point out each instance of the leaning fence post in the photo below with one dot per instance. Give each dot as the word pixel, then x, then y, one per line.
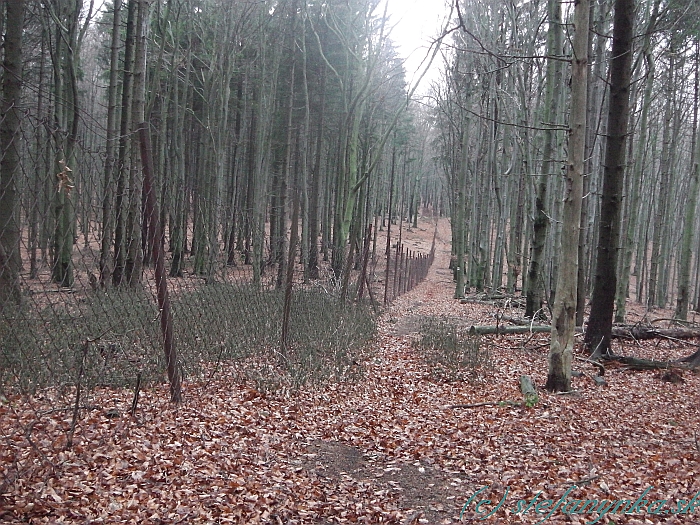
pixel 155 235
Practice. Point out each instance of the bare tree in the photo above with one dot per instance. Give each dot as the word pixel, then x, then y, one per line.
pixel 564 314
pixel 602 304
pixel 10 261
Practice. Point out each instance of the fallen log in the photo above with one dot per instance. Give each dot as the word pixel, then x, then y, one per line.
pixel 618 332
pixel 529 391
pixel 648 332
pixel 635 363
pixel 501 329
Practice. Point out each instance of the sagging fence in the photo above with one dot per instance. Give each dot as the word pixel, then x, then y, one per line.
pixel 66 338
pixel 95 333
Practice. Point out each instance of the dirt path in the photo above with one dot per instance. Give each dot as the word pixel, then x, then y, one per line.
pixel 403 461
pixel 396 431
pixel 433 297
pixel 425 492
pixel 386 448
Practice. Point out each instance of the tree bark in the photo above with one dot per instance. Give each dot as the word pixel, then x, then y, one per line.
pixel 686 248
pixel 605 283
pixel 10 260
pixel 535 279
pixel 123 164
pixel 134 250
pixel 564 313
pixel 627 245
pixel 108 197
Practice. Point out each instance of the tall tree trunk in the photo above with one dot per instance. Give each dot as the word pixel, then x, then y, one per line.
pixel 123 164
pixel 316 175
pixel 535 278
pixel 640 156
pixel 599 328
pixel 656 270
pixel 177 155
pixel 134 249
pixel 686 247
pixel 564 314
pixel 107 198
pixel 285 180
pixel 66 118
pixel 10 260
pixel 459 222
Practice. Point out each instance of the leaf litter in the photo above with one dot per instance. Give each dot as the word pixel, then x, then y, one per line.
pixel 385 449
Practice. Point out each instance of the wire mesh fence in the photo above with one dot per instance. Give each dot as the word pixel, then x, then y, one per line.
pixel 94 333
pixel 69 330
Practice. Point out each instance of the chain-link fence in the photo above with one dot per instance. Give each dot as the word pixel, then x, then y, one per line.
pixel 94 333
pixel 67 327
pixel 59 342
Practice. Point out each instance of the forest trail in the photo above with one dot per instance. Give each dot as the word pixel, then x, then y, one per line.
pixel 433 296
pixel 397 432
pixel 384 448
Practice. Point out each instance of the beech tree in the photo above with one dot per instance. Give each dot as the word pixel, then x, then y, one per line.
pixel 564 314
pixel 550 167
pixel 62 25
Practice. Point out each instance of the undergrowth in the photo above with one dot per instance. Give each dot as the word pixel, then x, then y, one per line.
pixel 451 352
pixel 110 338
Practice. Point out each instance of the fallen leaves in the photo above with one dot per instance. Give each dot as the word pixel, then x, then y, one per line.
pixel 384 449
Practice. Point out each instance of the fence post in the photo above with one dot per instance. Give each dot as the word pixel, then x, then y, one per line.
pixel 155 236
pixel 388 266
pixel 365 260
pixel 396 272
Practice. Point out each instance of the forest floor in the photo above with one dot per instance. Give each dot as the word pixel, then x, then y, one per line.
pixel 387 448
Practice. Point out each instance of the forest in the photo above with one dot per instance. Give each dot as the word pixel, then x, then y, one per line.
pixel 252 270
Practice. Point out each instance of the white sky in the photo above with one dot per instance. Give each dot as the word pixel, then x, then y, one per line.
pixel 416 22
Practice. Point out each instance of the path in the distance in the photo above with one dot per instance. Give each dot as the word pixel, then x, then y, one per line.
pixel 434 297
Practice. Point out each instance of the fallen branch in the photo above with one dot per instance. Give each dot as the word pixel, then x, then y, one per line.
pixel 497 330
pixel 618 332
pixel 647 332
pixel 488 404
pixel 679 322
pixel 635 363
pixel 598 365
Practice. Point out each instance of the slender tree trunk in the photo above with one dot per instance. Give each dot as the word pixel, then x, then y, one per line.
pixel 123 165
pixel 286 176
pixel 656 270
pixel 66 117
pixel 686 247
pixel 107 199
pixel 636 183
pixel 564 314
pixel 134 250
pixel 10 260
pixel 314 207
pixel 535 278
pixel 177 155
pixel 599 328
pixel 458 215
